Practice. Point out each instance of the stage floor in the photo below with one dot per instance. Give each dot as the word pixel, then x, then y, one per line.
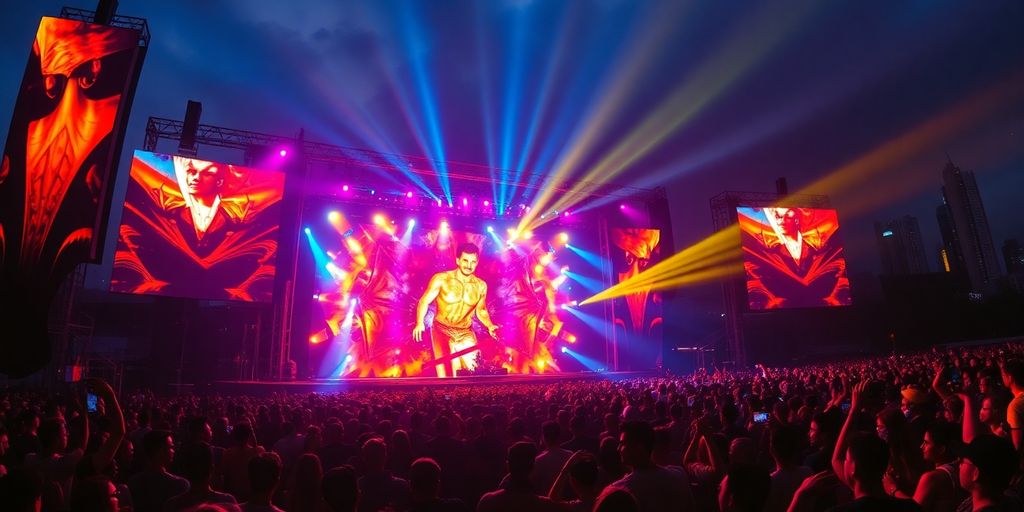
pixel 255 387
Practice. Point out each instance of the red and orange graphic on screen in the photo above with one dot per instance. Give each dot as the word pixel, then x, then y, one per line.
pixel 372 277
pixel 793 257
pixel 638 316
pixel 200 229
pixel 53 180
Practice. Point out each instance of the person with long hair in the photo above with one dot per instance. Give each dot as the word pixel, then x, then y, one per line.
pixel 905 462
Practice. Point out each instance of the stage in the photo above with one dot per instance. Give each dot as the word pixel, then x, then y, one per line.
pixel 362 384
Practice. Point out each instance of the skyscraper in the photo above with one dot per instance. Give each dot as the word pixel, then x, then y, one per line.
pixel 901 246
pixel 1013 253
pixel 950 259
pixel 970 227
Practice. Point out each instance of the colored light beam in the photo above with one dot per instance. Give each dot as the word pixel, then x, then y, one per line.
pixel 554 62
pixel 361 123
pixel 485 97
pixel 588 362
pixel 590 284
pixel 319 256
pixel 597 323
pixel 513 93
pixel 923 137
pixel 759 33
pixel 416 43
pixel 592 258
pixel 631 62
pixel 715 257
pixel 406 239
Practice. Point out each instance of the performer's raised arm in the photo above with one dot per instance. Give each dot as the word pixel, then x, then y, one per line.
pixel 484 315
pixel 433 289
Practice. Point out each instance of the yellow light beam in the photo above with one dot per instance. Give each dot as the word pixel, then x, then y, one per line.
pixel 751 40
pixel 922 137
pixel 722 247
pixel 611 98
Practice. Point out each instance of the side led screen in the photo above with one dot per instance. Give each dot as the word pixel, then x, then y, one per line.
pixel 793 258
pixel 54 186
pixel 198 229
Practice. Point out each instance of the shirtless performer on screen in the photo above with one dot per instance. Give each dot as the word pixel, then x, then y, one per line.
pixel 459 294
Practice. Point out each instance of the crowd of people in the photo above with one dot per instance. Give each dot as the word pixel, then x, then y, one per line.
pixel 935 431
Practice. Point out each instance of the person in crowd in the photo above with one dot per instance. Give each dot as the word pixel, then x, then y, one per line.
pixel 264 477
pixel 155 485
pixel 1013 378
pixel 551 459
pixel 518 493
pixel 581 473
pixel 196 462
pixel 988 465
pixel 786 445
pixel 235 466
pixel 905 462
pixel 939 489
pixel 303 493
pixel 860 461
pixel 340 489
pixel 425 483
pixel 654 487
pixel 378 488
pixel 745 488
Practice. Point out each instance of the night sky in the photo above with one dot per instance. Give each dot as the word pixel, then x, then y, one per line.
pixel 730 95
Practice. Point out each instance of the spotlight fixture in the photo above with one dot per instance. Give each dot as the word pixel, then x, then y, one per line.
pixel 564 238
pixel 378 219
pixel 408 195
pixel 490 229
pixel 412 222
pixel 487 203
pixel 564 350
pixel 283 153
pixel 344 188
pixel 308 231
pixel 334 216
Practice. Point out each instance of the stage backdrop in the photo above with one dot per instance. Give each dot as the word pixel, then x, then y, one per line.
pixel 638 316
pixel 198 229
pixel 372 275
pixel 793 257
pixel 55 179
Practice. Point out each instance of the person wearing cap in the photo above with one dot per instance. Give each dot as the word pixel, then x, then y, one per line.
pixel 986 469
pixel 1013 378
pixel 913 404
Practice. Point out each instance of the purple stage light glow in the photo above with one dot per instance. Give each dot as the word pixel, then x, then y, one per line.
pixel 283 153
pixel 465 202
pixel 344 188
pixel 487 203
pixel 408 195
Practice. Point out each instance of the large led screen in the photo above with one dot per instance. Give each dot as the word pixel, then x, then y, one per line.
pixel 376 279
pixel 793 257
pixel 199 229
pixel 54 186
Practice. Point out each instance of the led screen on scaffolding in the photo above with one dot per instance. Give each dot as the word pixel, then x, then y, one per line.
pixel 198 229
pixel 793 258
